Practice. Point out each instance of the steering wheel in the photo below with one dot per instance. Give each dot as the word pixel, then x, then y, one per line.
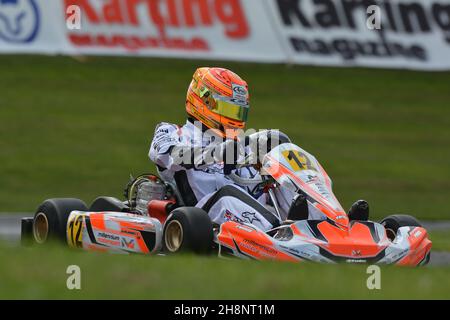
pixel 245 182
pixel 266 138
pixel 248 162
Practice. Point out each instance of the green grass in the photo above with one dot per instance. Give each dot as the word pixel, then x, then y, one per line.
pixel 79 129
pixel 41 273
pixel 441 240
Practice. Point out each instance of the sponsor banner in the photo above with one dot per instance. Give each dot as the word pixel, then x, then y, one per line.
pixel 209 29
pixel 413 34
pixel 214 29
pixel 31 26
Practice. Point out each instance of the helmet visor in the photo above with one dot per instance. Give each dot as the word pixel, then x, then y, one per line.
pixel 231 108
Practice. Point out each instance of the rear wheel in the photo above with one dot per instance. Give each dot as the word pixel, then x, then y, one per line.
pixel 188 229
pixel 394 222
pixel 50 219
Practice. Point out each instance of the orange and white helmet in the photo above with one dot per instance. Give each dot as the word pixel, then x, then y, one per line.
pixel 219 99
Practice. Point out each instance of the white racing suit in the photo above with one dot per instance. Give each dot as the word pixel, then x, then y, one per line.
pixel 206 186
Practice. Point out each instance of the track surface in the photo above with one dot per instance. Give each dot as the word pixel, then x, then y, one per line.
pixel 10 232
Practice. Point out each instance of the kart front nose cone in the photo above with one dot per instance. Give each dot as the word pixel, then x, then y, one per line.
pixel 174 236
pixel 40 228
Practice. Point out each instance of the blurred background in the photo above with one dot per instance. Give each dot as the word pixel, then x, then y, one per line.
pixel 83 84
pixel 80 129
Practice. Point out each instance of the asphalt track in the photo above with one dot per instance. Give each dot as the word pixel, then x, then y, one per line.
pixel 10 233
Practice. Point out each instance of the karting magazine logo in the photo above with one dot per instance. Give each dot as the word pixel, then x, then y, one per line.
pixel 164 24
pixel 326 28
pixel 19 21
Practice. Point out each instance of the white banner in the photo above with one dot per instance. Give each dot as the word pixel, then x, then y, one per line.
pixel 207 29
pixel 31 26
pixel 218 29
pixel 413 34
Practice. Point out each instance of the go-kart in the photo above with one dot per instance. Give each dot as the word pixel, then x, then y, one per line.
pixel 153 220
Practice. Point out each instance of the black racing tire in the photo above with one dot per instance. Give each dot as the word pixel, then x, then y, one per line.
pixel 394 222
pixel 188 229
pixel 50 219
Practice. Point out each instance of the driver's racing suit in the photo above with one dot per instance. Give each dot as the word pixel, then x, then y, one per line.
pixel 205 185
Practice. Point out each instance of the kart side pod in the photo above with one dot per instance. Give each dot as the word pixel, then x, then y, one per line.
pixel 114 232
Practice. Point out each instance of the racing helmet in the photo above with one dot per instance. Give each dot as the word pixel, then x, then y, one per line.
pixel 219 99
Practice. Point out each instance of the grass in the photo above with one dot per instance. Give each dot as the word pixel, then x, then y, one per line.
pixel 79 129
pixel 441 240
pixel 41 273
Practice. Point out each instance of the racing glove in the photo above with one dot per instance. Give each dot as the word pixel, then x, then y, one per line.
pixel 262 142
pixel 229 152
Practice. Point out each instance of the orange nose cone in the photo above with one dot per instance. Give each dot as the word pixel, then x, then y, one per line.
pixel 344 222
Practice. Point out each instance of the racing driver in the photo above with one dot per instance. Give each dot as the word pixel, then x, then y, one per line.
pixel 198 155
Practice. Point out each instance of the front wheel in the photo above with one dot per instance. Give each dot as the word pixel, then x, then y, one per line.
pixel 188 229
pixel 50 219
pixel 394 222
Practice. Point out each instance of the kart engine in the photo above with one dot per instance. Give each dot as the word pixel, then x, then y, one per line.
pixel 143 189
pixel 149 190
